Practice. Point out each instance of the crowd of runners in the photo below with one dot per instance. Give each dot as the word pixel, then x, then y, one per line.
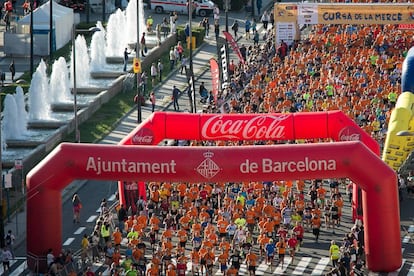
pixel 351 68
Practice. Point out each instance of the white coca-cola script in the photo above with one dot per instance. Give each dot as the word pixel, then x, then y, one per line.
pixel 347 134
pixel 147 139
pixel 255 128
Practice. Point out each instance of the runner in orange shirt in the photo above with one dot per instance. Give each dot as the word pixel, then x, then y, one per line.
pixel 152 270
pixel 117 237
pixel 232 271
pixel 251 260
pixel 281 250
pixel 225 245
pixel 221 227
pixel 195 260
pixel 209 258
pixel 316 225
pixel 171 271
pixel 155 224
pixel 223 258
pixel 321 196
pixel 269 227
pixel 250 219
pixel 182 237
pixel 185 222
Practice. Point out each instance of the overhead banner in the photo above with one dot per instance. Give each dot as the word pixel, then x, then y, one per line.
pixel 341 13
pixel 366 14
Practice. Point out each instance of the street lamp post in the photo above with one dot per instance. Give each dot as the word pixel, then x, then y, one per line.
pixel 137 49
pixel 75 88
pixel 190 37
pixel 2 234
pixel 226 10
pixel 31 40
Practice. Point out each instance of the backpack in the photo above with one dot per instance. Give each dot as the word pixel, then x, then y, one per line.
pixel 8 240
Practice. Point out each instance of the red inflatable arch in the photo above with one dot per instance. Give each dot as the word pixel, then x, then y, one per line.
pixel 333 124
pixel 350 159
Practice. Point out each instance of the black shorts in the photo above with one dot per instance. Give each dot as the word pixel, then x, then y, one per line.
pixel 202 261
pixel 182 244
pixel 281 256
pixel 251 268
pixel 221 235
pixel 236 265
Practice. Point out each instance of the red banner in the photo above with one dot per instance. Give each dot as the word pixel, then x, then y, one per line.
pixel 234 45
pixel 215 77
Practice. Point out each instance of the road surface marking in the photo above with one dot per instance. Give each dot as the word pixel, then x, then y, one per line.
pixel 19 270
pixel 79 230
pixel 411 271
pixel 300 268
pixel 68 241
pixel 261 269
pixel 92 218
pixel 281 269
pixel 320 267
pixel 112 197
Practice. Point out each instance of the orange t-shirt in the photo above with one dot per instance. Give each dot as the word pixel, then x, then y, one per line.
pixel 117 237
pixel 251 259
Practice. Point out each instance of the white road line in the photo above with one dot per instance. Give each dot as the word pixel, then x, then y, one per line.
pixel 68 241
pixel 19 270
pixel 301 266
pixel 243 269
pixel 79 230
pixel 411 229
pixel 406 239
pixel 261 269
pixel 91 218
pixel 189 266
pixel 281 269
pixel 98 210
pixel 13 261
pixel 411 271
pixel 402 264
pixel 112 197
pixel 320 267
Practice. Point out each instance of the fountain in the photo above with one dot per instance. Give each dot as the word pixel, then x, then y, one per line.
pixel 82 62
pixel 59 83
pixel 115 34
pixel 98 58
pixel 39 99
pixel 11 122
pixel 15 124
pixel 39 104
pixel 21 110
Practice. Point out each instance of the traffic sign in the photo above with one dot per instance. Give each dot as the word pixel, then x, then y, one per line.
pixel 137 65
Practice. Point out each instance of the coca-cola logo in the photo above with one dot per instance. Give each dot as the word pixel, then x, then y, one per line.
pixel 131 186
pixel 349 133
pixel 263 127
pixel 144 136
